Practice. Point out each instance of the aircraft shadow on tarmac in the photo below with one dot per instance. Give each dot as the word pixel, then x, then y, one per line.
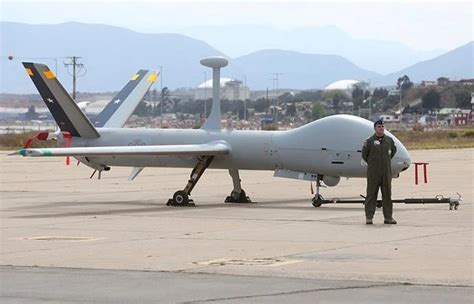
pixel 151 206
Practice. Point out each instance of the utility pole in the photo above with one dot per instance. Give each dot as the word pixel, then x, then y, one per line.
pixel 205 96
pixel 274 102
pixel 276 79
pixel 276 94
pixel 78 70
pixel 400 91
pixel 245 97
pixel 370 107
pixel 161 96
pixel 154 101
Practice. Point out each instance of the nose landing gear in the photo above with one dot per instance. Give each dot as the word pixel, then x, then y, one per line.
pixel 318 199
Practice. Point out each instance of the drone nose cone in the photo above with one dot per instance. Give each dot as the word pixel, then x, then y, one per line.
pixel 405 155
pixel 403 159
pixel 215 62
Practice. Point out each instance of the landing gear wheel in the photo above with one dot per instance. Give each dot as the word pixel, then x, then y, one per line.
pixel 317 200
pixel 454 205
pixel 180 199
pixel 379 204
pixel 241 198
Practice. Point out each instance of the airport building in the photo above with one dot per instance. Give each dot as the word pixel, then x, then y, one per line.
pixel 231 89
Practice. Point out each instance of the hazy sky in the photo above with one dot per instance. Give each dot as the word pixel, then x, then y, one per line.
pixel 422 25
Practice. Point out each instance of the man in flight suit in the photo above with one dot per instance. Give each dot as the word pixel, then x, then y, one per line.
pixel 377 152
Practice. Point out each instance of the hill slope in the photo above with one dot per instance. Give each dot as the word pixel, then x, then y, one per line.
pixel 381 56
pixel 110 54
pixel 299 71
pixel 455 64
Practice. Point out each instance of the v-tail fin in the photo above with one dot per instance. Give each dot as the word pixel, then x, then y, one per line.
pixel 65 111
pixel 121 107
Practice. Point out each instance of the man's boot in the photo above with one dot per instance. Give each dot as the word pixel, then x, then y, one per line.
pixel 390 221
pixel 368 221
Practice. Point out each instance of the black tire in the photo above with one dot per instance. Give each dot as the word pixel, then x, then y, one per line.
pixel 317 201
pixel 181 197
pixel 243 195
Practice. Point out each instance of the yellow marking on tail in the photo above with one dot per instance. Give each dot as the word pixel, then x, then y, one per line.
pixel 49 74
pixel 29 71
pixel 134 77
pixel 153 77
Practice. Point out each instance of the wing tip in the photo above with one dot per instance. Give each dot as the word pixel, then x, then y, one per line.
pixel 18 152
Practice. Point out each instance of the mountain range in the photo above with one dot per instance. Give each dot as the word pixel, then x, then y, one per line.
pixel 298 71
pixel 456 64
pixel 112 54
pixel 381 56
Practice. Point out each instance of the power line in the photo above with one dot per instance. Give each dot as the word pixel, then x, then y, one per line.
pixel 78 70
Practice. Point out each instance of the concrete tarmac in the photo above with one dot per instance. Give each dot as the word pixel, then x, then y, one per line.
pixel 64 229
pixel 73 285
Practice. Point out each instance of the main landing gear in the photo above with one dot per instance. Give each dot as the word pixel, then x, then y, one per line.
pixel 238 194
pixel 181 198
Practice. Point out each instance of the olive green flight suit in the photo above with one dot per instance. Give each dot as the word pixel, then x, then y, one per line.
pixel 377 153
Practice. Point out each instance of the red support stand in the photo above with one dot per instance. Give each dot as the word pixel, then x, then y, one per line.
pixel 416 174
pixel 425 172
pixel 67 143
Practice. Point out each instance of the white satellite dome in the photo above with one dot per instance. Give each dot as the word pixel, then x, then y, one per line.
pixel 208 83
pixel 346 85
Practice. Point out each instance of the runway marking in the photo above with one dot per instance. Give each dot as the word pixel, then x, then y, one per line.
pixel 60 238
pixel 272 262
